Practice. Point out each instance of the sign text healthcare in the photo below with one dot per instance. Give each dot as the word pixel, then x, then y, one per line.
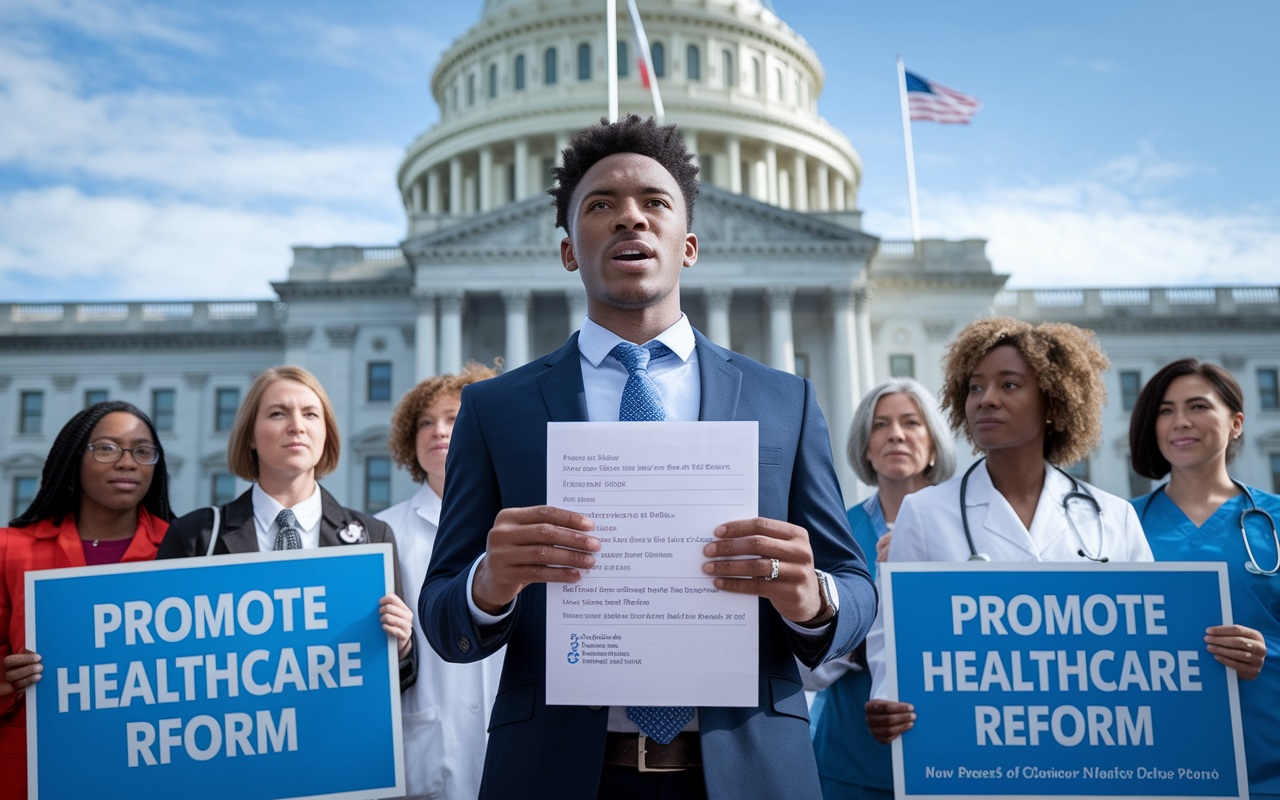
pixel 149 682
pixel 1100 669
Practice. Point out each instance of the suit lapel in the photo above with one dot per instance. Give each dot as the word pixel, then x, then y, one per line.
pixel 721 381
pixel 332 520
pixel 239 533
pixel 561 384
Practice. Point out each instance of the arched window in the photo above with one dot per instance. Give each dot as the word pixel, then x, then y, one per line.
pixel 519 73
pixel 584 62
pixel 624 63
pixel 726 64
pixel 777 76
pixel 659 54
pixel 755 73
pixel 493 81
pixel 693 63
pixel 471 90
pixel 549 66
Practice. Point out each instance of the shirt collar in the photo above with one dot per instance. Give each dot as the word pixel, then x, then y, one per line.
pixel 266 508
pixel 426 504
pixel 595 341
pixel 872 506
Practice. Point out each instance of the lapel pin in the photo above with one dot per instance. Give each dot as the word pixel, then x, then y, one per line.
pixel 352 533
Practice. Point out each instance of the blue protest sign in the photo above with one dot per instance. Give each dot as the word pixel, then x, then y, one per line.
pixel 1075 680
pixel 264 675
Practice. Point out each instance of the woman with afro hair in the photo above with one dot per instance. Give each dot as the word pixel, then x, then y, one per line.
pixel 103 499
pixel 1029 399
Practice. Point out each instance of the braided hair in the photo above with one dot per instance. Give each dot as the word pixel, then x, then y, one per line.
pixel 59 493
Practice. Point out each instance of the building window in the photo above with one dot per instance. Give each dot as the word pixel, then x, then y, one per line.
pixel 659 53
pixel 624 63
pixel 1080 470
pixel 377 484
pixel 453 98
pixel 1275 473
pixel 726 64
pixel 471 90
pixel 228 403
pixel 24 493
pixel 493 81
pixel 31 412
pixel 693 63
pixel 519 73
pixel 549 66
pixel 1138 485
pixel 223 490
pixel 584 62
pixel 1130 386
pixel 802 365
pixel 92 396
pixel 163 403
pixel 1269 389
pixel 902 366
pixel 756 75
pixel 777 79
pixel 379 382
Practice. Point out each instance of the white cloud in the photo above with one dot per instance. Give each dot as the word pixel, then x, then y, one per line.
pixel 118 21
pixel 129 248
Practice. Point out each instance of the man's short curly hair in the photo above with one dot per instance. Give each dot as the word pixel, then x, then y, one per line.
pixel 1068 364
pixel 403 440
pixel 630 134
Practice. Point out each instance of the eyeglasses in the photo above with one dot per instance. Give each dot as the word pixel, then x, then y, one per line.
pixel 106 453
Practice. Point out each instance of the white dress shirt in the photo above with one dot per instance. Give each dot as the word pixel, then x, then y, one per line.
pixel 446 712
pixel 266 508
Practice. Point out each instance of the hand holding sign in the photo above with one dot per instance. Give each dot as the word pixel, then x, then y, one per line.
pixel 20 671
pixel 1239 648
pixel 888 720
pixel 397 620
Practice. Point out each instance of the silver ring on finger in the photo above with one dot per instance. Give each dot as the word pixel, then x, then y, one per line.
pixel 775 570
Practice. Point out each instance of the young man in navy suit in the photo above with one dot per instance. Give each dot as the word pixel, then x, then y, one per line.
pixel 625 198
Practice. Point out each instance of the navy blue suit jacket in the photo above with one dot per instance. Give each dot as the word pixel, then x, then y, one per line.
pixel 497 459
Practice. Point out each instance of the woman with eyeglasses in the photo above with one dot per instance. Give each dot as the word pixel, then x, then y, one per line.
pixel 103 499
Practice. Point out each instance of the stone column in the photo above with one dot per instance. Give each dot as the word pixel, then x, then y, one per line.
pixel 424 334
pixel 455 186
pixel 801 183
pixel 486 178
pixel 734 154
pixel 846 390
pixel 577 299
pixel 838 201
pixel 522 167
pixel 862 313
pixel 782 351
pixel 718 299
pixel 562 142
pixel 823 179
pixel 451 303
pixel 433 190
pixel 516 302
pixel 771 173
pixel 415 196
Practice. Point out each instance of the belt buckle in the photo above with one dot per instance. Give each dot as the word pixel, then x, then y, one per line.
pixel 640 759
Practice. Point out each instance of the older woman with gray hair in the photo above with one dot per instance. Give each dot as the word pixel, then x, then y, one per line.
pixel 898 443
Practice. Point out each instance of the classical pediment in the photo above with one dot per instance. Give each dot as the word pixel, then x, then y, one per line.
pixel 723 221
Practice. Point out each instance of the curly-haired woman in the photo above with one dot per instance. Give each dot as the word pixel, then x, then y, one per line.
pixel 103 499
pixel 1030 400
pixel 447 710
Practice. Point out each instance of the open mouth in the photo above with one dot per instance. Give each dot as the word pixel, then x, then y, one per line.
pixel 632 251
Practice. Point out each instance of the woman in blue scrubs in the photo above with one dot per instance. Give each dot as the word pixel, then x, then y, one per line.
pixel 1188 424
pixel 897 443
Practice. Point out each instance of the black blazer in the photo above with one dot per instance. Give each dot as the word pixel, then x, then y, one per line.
pixel 188 536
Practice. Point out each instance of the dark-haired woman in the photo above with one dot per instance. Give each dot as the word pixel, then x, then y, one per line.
pixel 1188 424
pixel 103 499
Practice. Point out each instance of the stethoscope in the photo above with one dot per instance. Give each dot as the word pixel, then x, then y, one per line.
pixel 1251 566
pixel 1078 492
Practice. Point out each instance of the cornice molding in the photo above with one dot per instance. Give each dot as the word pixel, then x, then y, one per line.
pixel 391 287
pixel 263 340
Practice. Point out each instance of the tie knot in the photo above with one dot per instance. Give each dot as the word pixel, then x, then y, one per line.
pixel 636 358
pixel 286 519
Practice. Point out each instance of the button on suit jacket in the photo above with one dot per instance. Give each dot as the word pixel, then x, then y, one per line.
pixel 497 459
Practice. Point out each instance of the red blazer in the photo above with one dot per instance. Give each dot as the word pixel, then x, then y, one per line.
pixel 42 546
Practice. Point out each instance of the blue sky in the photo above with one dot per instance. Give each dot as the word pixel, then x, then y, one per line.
pixel 177 149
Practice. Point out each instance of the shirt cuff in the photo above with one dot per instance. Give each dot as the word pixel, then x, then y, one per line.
pixel 480 618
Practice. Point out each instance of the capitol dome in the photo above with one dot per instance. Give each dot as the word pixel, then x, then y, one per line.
pixel 512 90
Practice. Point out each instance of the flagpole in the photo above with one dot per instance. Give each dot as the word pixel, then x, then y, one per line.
pixel 911 161
pixel 611 34
pixel 658 111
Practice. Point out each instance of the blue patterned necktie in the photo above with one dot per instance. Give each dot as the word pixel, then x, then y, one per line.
pixel 641 402
pixel 288 536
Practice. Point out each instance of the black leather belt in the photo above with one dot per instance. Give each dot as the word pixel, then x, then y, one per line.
pixel 639 752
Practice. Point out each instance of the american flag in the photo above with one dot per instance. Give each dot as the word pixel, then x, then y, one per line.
pixel 933 102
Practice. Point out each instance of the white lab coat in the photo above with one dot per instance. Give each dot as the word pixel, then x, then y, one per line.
pixel 929 528
pixel 446 712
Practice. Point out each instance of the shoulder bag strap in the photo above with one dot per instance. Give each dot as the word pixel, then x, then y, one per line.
pixel 217 524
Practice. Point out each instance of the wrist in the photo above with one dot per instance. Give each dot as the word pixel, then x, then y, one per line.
pixel 826 606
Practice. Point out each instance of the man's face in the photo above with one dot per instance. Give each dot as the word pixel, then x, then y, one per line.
pixel 627 236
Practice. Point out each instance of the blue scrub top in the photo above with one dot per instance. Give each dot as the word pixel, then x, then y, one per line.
pixel 843 745
pixel 1255 602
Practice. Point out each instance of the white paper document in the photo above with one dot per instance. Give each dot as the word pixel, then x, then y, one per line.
pixel 646 626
